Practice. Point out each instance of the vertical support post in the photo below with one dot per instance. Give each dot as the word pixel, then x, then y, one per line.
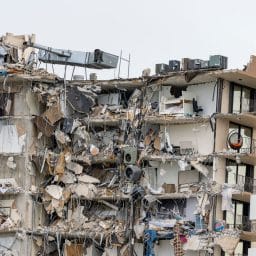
pixel 119 67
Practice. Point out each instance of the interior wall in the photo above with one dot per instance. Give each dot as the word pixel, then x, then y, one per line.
pixel 168 173
pixel 193 133
pixel 18 246
pixel 206 97
pixel 191 204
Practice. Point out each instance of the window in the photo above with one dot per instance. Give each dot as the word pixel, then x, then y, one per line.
pixel 246 133
pixel 241 174
pixel 240 218
pixel 242 99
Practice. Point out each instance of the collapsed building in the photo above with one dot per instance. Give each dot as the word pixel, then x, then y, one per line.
pixel 156 165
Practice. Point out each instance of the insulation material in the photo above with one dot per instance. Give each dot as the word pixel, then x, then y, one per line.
pixel 73 249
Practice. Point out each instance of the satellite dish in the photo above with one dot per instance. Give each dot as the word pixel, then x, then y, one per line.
pixel 235 140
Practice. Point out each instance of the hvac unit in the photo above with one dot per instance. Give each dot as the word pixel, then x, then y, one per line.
pixel 205 64
pixel 194 64
pixel 133 172
pixel 218 61
pixel 174 65
pixel 130 155
pixel 162 69
pixel 184 64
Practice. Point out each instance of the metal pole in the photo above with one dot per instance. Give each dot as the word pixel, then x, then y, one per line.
pixel 73 72
pixel 131 239
pixel 119 68
pixel 129 62
pixel 85 71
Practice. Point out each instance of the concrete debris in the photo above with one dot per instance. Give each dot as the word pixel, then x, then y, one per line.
pixel 88 191
pixel 61 137
pixel 9 186
pixel 84 178
pixel 54 191
pixel 53 114
pixel 124 166
pixel 10 163
pixel 74 167
pixel 73 249
pixel 68 178
pixel 79 101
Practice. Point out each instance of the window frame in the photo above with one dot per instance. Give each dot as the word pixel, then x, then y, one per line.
pixel 249 172
pixel 252 105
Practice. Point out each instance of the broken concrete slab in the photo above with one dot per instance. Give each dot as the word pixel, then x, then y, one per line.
pixel 88 191
pixel 53 114
pixel 68 177
pixel 74 167
pixel 54 191
pixel 84 178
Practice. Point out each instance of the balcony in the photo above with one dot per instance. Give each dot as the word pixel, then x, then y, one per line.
pixel 248 118
pixel 241 222
pixel 247 184
pixel 246 154
pixel 237 76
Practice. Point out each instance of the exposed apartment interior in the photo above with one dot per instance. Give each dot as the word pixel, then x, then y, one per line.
pixel 158 165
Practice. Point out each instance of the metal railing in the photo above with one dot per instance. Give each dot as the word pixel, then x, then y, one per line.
pixel 247 184
pixel 241 223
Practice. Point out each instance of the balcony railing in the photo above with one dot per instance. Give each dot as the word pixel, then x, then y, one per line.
pixel 241 223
